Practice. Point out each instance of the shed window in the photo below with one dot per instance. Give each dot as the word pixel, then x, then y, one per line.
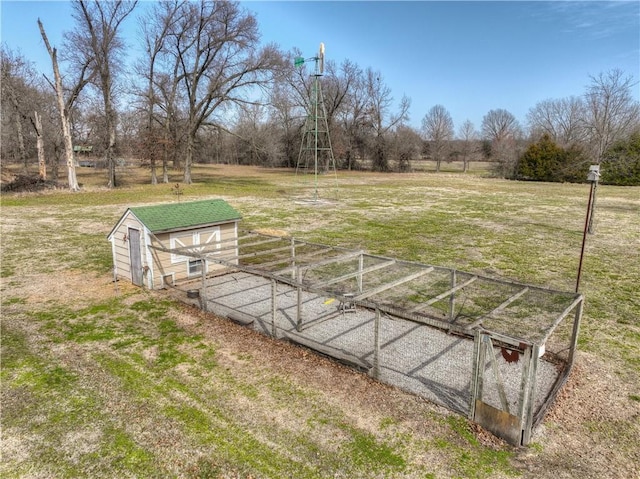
pixel 195 267
pixel 194 241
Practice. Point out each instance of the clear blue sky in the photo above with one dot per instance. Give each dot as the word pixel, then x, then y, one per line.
pixel 470 57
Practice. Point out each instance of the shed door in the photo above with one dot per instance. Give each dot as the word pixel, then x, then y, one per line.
pixel 135 258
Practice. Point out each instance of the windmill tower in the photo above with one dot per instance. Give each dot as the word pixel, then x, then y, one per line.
pixel 316 153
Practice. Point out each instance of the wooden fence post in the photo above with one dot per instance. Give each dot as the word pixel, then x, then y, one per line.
pixel 274 294
pixel 376 345
pixel 203 299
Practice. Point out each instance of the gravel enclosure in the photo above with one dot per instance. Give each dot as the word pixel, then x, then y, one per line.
pixel 491 349
pixel 417 358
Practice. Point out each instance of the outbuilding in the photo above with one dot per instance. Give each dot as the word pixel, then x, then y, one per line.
pixel 146 242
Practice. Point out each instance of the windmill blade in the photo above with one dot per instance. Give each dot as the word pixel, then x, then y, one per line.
pixel 321 58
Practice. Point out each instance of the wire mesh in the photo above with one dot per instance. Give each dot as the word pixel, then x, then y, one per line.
pixel 410 325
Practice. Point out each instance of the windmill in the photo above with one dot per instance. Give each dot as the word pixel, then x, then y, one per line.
pixel 316 153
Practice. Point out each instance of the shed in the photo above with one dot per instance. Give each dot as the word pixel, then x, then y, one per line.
pixel 141 237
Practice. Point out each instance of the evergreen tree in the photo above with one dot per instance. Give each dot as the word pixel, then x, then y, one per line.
pixel 621 165
pixel 541 161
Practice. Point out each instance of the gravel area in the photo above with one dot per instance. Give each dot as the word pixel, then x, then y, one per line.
pixel 417 358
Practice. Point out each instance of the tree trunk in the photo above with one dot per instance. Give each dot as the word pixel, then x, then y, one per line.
pixel 111 128
pixel 188 160
pixel 154 175
pixel 20 136
pixel 64 114
pixel 42 165
pixel 165 171
pixel 54 162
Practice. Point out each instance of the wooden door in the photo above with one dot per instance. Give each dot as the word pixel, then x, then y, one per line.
pixel 135 258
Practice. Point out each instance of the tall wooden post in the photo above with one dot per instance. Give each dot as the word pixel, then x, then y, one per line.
pixel 376 345
pixel 528 412
pixel 360 268
pixel 574 334
pixel 452 298
pixel 203 296
pixel 293 257
pixel 274 292
pixel 299 298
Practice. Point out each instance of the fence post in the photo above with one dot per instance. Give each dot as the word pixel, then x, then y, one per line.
pixel 574 335
pixel 452 298
pixel 476 373
pixel 360 268
pixel 376 345
pixel 293 258
pixel 274 295
pixel 299 298
pixel 528 416
pixel 524 384
pixel 203 299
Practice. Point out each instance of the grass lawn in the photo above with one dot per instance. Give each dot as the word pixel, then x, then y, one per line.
pixel 106 381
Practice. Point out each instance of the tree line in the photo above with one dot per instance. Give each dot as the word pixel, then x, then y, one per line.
pixel 207 90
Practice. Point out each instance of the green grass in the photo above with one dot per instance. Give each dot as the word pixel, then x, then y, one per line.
pixel 146 396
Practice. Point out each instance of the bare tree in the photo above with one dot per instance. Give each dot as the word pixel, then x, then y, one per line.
pixel 406 145
pixel 287 113
pixel 290 101
pixel 10 85
pixel 562 120
pixel 468 137
pixel 42 165
pixel 612 113
pixel 160 92
pixel 502 130
pixel 219 63
pixel 499 125
pixel 337 82
pixel 65 104
pixel 381 121
pixel 352 117
pixel 437 127
pixel 96 38
pixel 21 95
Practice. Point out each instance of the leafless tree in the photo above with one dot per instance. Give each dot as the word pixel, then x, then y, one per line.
pixel 337 83
pixel 352 117
pixel 255 141
pixel 437 127
pixel 219 63
pixel 468 137
pixel 289 116
pixel 23 102
pixel 96 41
pixel 405 146
pixel 65 103
pixel 381 120
pixel 290 103
pixel 612 113
pixel 13 87
pixel 160 92
pixel 499 125
pixel 563 120
pixel 503 131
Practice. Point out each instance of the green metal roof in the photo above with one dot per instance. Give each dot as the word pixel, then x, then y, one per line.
pixel 174 216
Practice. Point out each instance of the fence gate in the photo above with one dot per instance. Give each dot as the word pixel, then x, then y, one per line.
pixel 502 407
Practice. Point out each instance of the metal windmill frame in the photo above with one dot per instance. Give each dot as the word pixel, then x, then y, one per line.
pixel 316 140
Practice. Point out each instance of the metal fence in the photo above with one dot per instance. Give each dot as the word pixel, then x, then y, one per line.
pixel 493 350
